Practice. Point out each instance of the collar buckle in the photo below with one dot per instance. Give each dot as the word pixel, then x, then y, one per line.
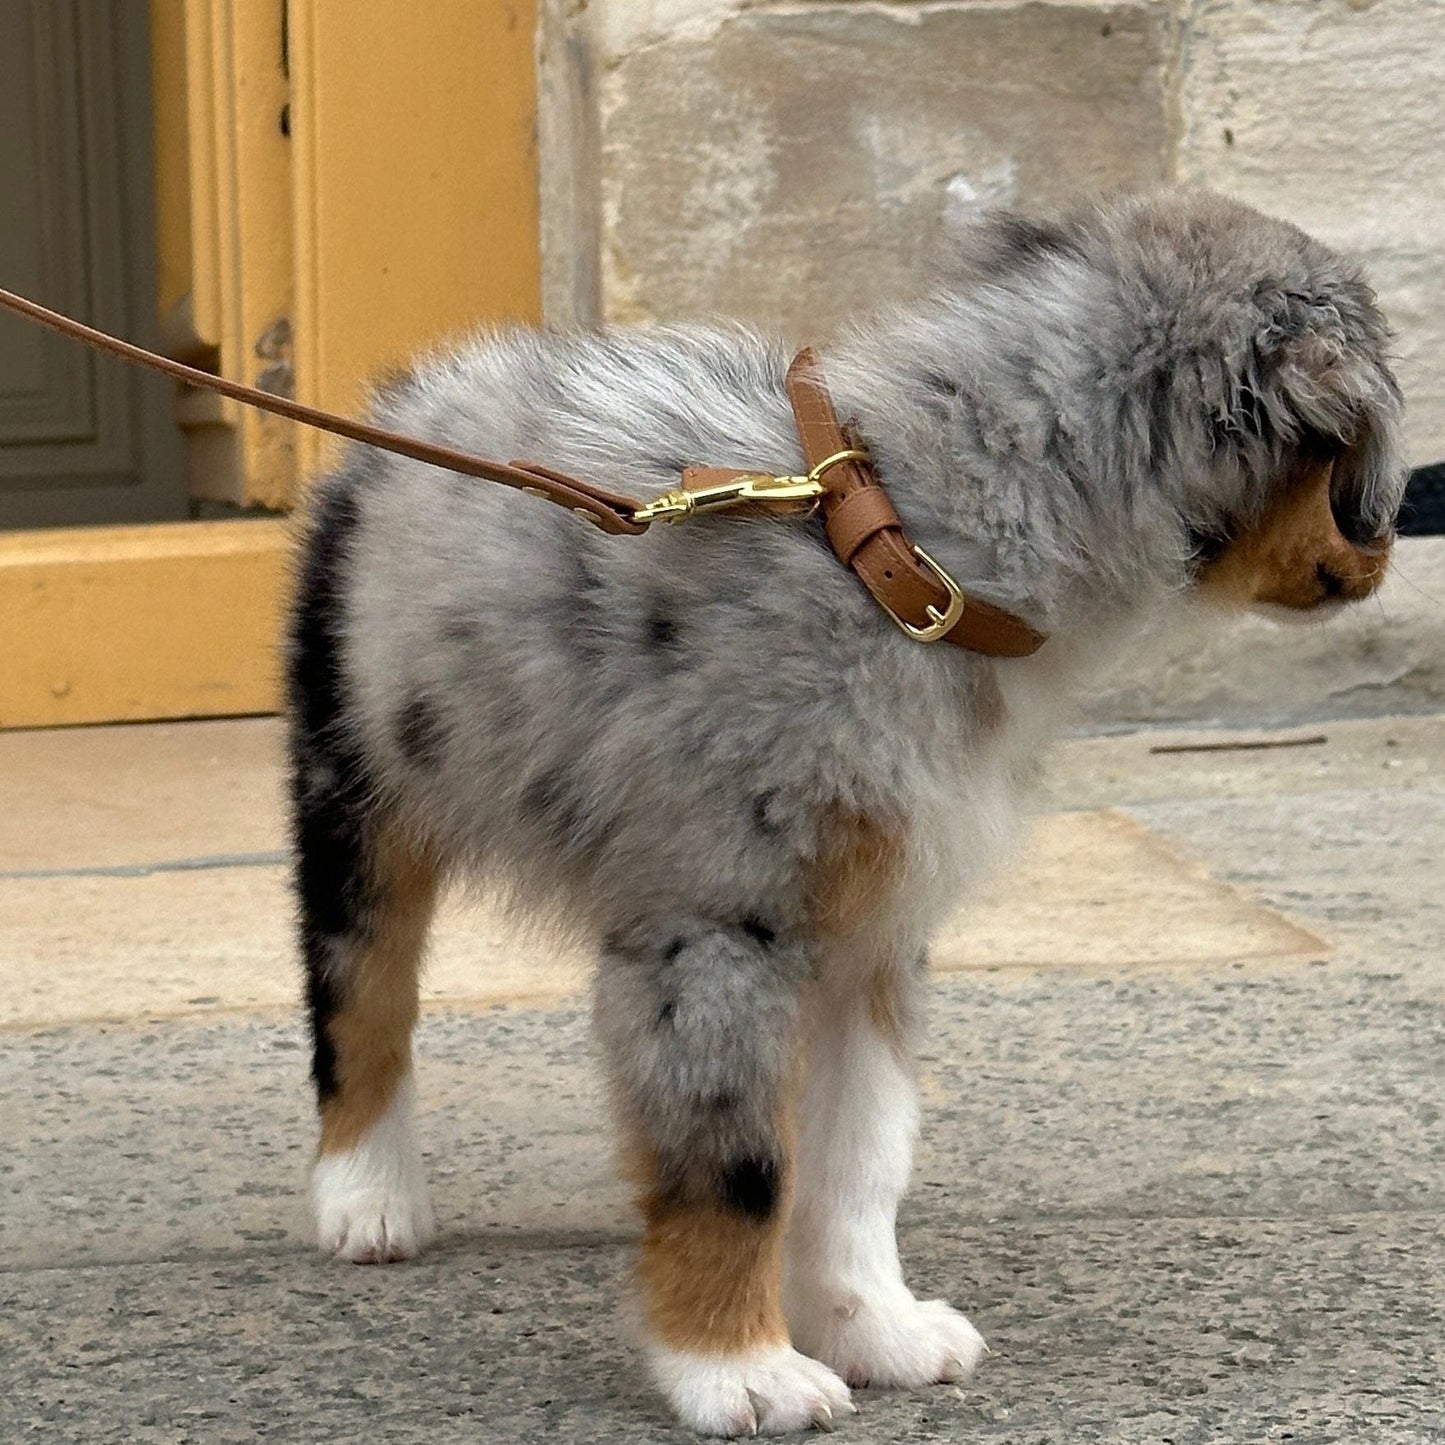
pixel 940 623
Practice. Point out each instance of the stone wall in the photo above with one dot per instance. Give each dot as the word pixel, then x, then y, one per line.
pixel 793 162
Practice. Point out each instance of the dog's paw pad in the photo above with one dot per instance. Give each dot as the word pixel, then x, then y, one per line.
pixel 761 1392
pixel 899 1341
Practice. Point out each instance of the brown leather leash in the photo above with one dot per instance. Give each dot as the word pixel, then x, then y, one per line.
pixel 862 525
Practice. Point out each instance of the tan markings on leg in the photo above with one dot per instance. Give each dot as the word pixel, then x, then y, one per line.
pixel 858 865
pixel 1287 555
pixel 885 1005
pixel 371 1032
pixel 711 1279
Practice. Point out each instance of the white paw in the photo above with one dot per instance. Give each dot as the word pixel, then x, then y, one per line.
pixel 889 1339
pixel 365 1225
pixel 761 1392
pixel 370 1203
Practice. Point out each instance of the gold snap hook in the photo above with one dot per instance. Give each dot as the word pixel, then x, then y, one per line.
pixel 799 494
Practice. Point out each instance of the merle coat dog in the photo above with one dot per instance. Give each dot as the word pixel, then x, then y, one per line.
pixel 709 749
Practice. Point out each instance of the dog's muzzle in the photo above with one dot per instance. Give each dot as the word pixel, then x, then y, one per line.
pixel 1306 551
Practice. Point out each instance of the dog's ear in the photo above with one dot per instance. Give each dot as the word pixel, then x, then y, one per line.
pixel 1309 409
pixel 1312 384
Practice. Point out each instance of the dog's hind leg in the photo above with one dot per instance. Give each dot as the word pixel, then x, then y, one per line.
pixel 363 936
pixel 364 897
pixel 366 893
pixel 846 1300
pixel 699 1024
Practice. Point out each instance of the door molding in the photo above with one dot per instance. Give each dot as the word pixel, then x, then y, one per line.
pixel 82 439
pixel 340 185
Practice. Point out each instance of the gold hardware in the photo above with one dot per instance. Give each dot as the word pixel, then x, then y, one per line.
pixel 848 454
pixel 942 622
pixel 798 494
pixel 681 503
pixel 674 506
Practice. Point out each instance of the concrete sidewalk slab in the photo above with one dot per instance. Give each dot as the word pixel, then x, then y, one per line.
pixel 1180 1206
pixel 138 794
pixel 1196 1200
pixel 1301 1089
pixel 1384 656
pixel 1381 755
pixel 1091 888
pixel 1133 1332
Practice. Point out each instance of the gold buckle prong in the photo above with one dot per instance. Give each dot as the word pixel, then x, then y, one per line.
pixel 800 494
pixel 942 623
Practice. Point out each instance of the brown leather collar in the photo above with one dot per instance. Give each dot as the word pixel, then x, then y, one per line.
pixel 868 536
pixel 861 523
pixel 867 533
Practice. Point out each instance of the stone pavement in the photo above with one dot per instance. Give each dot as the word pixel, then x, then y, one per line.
pixel 1183 1160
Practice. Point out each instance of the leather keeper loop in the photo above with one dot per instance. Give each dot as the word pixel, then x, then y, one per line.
pixel 859 516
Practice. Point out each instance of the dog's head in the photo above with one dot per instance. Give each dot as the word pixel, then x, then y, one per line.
pixel 1275 353
pixel 1243 413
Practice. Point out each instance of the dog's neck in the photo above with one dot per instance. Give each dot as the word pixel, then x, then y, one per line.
pixel 996 456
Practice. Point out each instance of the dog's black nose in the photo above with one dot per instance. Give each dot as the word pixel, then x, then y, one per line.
pixel 1332 585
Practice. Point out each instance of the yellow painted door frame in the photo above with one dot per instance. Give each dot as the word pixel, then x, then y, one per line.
pixel 416 183
pixel 224 202
pixel 338 187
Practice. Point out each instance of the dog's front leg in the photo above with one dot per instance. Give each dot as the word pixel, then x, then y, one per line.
pixel 699 1022
pixel 846 1300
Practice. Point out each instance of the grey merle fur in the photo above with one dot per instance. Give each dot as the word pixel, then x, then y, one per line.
pixel 648 735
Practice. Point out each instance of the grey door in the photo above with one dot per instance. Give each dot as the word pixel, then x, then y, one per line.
pixel 82 438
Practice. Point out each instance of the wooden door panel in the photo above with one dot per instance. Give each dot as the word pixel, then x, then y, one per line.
pixel 82 438
pixel 46 386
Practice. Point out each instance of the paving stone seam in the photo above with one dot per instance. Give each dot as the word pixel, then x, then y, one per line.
pixel 452 1245
pixel 205 863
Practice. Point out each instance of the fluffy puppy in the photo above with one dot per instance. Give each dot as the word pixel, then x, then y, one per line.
pixel 710 748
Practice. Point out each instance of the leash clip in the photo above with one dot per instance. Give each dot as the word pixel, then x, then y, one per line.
pixel 798 495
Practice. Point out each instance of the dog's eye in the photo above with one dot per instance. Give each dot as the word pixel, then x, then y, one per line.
pixel 1206 544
